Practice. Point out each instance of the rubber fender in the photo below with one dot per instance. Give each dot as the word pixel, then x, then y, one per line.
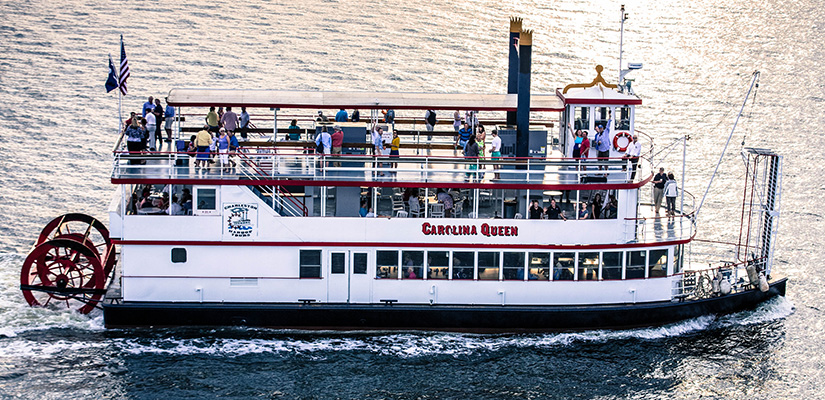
pixel 763 283
pixel 725 287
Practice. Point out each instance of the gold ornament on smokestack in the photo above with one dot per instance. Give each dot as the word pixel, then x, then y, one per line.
pixel 515 24
pixel 526 37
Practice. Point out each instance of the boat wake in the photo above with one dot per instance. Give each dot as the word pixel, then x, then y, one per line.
pixel 38 332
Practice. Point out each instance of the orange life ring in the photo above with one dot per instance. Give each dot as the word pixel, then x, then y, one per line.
pixel 616 141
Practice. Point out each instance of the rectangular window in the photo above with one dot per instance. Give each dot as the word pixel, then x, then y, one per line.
pixel 622 120
pixel 612 265
pixel 563 264
pixel 589 266
pixel 359 263
pixel 488 265
pixel 413 264
pixel 581 117
pixel 463 264
pixel 539 267
pixel 207 199
pixel 601 117
pixel 310 264
pixel 438 264
pixel 635 264
pixel 338 263
pixel 386 264
pixel 513 266
pixel 178 255
pixel 657 263
pixel 678 258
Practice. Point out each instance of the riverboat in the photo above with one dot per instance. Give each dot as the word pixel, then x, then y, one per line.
pixel 278 239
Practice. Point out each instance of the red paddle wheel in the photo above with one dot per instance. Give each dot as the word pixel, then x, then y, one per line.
pixel 69 264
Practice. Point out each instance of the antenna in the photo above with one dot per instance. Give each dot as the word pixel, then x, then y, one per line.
pixel 622 19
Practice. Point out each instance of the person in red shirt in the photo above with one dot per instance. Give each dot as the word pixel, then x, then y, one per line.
pixel 337 142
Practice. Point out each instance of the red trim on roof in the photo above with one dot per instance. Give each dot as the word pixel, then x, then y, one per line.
pixel 565 100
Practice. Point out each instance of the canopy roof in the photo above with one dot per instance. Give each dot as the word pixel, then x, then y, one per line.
pixel 597 94
pixel 367 100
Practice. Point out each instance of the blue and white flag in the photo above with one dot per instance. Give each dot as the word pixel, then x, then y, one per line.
pixel 112 82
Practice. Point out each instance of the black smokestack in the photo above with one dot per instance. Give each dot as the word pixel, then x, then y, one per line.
pixel 512 72
pixel 525 50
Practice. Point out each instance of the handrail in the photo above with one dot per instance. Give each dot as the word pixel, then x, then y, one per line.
pixel 290 196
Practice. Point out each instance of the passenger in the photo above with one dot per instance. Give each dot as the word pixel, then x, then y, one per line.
pixel 223 150
pixel 596 206
pixel 585 149
pixel 471 153
pixel 191 148
pixel 535 211
pixel 158 111
pixel 294 130
pixel 169 117
pixel 233 147
pixel 244 123
pixel 414 204
pixel 323 144
pixel 229 120
pixel 444 198
pixel 356 116
pixel 389 116
pixel 186 197
pixel 658 189
pixel 411 273
pixel 612 210
pixel 363 210
pixel 430 120
pixel 151 127
pixel 634 151
pixel 129 121
pixel 174 207
pixel 202 141
pixel 370 213
pixel 602 142
pixel 394 147
pixel 553 211
pixel 145 139
pixel 495 151
pixel 481 136
pixel 220 115
pixel 212 120
pixel 463 136
pixel 671 191
pixel 471 119
pixel 321 117
pixel 378 146
pixel 456 121
pixel 583 213
pixel 134 138
pixel 337 138
pixel 148 106
pixel 341 116
pixel 577 143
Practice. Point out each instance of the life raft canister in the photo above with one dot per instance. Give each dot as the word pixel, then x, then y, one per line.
pixel 616 141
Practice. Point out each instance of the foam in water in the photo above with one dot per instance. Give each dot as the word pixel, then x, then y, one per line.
pixel 396 344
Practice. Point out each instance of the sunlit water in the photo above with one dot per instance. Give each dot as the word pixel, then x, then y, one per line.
pixel 57 129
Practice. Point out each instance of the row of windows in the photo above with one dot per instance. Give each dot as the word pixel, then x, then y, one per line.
pixel 497 265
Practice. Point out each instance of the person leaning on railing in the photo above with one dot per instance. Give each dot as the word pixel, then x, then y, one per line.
pixel 202 141
pixel 134 139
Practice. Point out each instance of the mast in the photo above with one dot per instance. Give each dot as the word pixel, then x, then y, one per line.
pixel 622 19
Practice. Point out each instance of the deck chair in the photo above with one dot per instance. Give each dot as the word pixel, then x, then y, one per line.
pixel 437 210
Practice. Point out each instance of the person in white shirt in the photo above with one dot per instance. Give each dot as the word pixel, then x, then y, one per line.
pixel 634 150
pixel 495 150
pixel 151 125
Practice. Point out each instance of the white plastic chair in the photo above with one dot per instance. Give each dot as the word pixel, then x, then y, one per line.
pixel 402 214
pixel 437 210
pixel 518 216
